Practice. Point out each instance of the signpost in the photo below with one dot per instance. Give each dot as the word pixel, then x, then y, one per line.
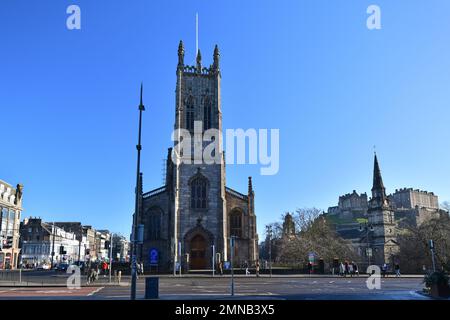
pixel 432 254
pixel 232 271
pixel 213 262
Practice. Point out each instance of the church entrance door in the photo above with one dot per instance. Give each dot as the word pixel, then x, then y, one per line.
pixel 198 252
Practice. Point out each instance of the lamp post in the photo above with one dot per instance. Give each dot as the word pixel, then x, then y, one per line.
pixel 269 234
pixel 232 239
pixel 368 228
pixel 136 211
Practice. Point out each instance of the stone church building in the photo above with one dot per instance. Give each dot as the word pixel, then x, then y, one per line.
pixel 195 214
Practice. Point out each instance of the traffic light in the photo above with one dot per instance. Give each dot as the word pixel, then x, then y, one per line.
pixel 61 250
pixel 107 244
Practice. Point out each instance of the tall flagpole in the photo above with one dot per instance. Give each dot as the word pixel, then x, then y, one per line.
pixel 136 208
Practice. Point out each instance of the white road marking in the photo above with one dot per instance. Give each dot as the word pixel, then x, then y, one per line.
pixel 95 291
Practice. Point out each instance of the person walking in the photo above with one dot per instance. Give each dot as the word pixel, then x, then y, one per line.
pixel 397 270
pixel 257 269
pixel 341 269
pixel 221 268
pixel 350 269
pixel 355 268
pixel 346 268
pixel 246 268
pixel 384 270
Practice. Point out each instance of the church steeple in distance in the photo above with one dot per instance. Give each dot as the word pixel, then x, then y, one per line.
pixel 378 190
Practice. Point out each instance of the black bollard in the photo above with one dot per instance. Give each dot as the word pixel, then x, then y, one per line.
pixel 151 288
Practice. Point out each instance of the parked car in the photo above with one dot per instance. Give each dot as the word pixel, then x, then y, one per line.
pixel 62 267
pixel 44 266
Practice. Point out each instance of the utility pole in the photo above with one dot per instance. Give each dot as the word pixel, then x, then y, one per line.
pixel 136 211
pixel 110 256
pixel 432 255
pixel 213 259
pixel 231 258
pixel 269 233
pixel 53 244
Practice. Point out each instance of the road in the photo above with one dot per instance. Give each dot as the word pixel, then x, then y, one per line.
pixel 289 288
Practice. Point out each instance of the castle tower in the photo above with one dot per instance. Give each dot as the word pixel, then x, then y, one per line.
pixel 382 238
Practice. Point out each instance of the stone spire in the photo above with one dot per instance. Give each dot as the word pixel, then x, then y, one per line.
pixel 181 54
pixel 378 190
pixel 250 186
pixel 199 61
pixel 216 58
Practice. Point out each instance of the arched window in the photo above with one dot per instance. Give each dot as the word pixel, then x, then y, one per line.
pixel 190 113
pixel 199 199
pixel 236 223
pixel 153 226
pixel 207 107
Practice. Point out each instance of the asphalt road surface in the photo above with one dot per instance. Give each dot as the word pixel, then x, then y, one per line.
pixel 290 288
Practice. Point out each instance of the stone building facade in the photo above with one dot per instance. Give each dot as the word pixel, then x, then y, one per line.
pixel 10 211
pixel 195 210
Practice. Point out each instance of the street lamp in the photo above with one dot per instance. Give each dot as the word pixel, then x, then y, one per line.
pixel 136 211
pixel 368 228
pixel 269 234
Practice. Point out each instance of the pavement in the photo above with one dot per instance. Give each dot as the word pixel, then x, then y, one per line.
pixel 292 287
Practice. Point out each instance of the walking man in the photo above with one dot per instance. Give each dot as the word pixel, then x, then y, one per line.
pixel 257 269
pixel 397 270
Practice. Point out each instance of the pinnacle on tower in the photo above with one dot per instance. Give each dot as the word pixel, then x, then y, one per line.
pixel 250 186
pixel 181 54
pixel 216 58
pixel 199 61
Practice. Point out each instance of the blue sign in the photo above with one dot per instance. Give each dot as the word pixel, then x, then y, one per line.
pixel 153 256
pixel 227 265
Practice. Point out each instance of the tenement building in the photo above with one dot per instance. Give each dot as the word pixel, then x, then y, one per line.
pixel 10 210
pixel 195 212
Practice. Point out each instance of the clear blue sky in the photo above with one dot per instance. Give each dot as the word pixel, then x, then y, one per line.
pixel 68 99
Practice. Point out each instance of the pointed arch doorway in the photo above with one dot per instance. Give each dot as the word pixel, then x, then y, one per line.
pixel 198 247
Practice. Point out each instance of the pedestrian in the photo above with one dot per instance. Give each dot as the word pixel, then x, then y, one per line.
pixel 341 269
pixel 384 270
pixel 397 270
pixel 104 268
pixel 355 268
pixel 221 268
pixel 350 269
pixel 257 269
pixel 119 276
pixel 346 268
pixel 246 268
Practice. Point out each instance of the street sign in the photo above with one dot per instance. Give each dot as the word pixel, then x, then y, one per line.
pixel 311 257
pixel 226 265
pixel 153 256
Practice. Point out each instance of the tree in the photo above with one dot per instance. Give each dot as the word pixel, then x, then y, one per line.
pixel 313 234
pixel 414 245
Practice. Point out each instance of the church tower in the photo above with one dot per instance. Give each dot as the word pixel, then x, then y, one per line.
pixel 382 240
pixel 200 205
pixel 195 214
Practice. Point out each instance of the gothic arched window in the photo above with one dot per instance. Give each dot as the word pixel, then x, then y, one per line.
pixel 153 227
pixel 199 199
pixel 236 223
pixel 207 108
pixel 190 113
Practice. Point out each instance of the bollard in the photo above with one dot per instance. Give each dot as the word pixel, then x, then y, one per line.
pixel 151 288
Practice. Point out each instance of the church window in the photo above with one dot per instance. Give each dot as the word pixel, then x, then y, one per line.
pixel 207 108
pixel 153 225
pixel 236 224
pixel 190 113
pixel 198 193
